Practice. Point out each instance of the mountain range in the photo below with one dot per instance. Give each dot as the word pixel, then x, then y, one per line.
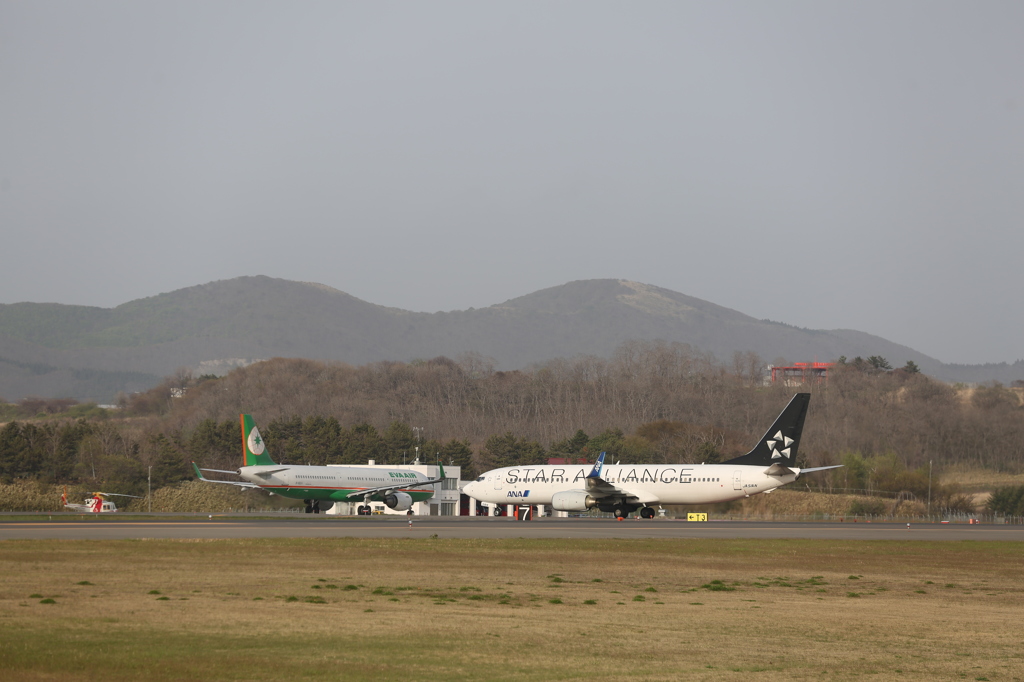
pixel 91 353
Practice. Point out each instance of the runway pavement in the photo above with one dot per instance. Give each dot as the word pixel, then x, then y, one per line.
pixel 83 527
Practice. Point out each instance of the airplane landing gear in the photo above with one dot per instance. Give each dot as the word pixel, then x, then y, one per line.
pixel 647 513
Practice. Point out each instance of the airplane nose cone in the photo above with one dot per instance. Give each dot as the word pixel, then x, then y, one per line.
pixel 469 488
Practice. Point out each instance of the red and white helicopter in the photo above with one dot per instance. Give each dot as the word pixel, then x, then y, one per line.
pixel 97 504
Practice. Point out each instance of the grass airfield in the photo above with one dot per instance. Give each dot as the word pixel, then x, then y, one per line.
pixel 401 609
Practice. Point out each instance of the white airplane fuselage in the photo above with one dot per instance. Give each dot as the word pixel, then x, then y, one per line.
pixel 650 484
pixel 333 482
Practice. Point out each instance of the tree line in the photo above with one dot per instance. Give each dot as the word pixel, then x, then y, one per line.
pixel 650 402
pixel 1007 501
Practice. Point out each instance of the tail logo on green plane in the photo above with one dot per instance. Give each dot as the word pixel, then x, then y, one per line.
pixel 256 446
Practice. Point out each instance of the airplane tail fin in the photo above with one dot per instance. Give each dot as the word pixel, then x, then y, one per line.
pixel 779 445
pixel 199 474
pixel 253 448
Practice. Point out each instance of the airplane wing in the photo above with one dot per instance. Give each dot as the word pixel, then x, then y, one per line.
pixel 397 486
pixel 219 471
pixel 777 469
pixel 801 472
pixel 807 471
pixel 240 484
pixel 262 474
pixel 598 487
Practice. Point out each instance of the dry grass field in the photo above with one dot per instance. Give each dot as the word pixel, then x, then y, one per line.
pixel 972 479
pixel 351 609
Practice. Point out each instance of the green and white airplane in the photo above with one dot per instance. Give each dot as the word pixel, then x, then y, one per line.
pixel 396 487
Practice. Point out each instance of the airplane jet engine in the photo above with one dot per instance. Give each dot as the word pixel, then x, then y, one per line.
pixel 572 500
pixel 398 501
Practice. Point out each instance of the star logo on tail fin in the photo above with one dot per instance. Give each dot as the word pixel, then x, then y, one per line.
pixel 774 442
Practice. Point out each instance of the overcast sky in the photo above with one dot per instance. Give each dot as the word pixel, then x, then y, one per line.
pixel 829 165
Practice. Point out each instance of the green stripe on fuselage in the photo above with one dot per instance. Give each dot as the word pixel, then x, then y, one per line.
pixel 341 494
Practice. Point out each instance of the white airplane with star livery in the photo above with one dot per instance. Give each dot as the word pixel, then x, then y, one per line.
pixel 625 488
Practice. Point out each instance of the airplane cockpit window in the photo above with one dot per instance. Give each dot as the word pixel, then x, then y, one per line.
pixel 482 478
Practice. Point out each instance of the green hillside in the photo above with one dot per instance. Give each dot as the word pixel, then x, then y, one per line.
pixel 231 322
pixel 52 325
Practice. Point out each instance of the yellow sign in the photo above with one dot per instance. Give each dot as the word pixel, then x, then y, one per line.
pixel 697 516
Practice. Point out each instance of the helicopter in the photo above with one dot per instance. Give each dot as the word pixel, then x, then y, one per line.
pixel 97 504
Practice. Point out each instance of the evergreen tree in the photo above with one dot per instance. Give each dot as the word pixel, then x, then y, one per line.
pixel 20 452
pixel 707 453
pixel 879 363
pixel 1007 501
pixel 610 441
pixel 459 453
pixel 61 453
pixel 399 440
pixel 215 445
pixel 571 448
pixel 508 450
pixel 283 438
pixel 169 464
pixel 361 444
pixel 321 440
